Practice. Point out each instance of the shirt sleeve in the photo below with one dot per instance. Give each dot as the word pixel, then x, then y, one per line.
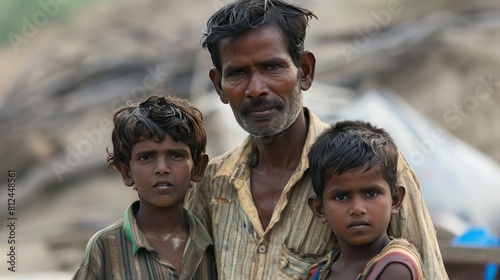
pixel 198 199
pixel 83 273
pixel 413 222
pixel 92 261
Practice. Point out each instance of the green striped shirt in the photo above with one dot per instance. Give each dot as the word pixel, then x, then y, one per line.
pixel 121 251
pixel 294 240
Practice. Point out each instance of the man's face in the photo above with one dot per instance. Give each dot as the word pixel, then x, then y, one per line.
pixel 260 81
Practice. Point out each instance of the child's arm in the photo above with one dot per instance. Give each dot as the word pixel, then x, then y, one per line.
pixel 91 261
pixel 84 273
pixel 396 271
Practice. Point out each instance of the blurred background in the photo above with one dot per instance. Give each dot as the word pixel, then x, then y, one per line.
pixel 426 70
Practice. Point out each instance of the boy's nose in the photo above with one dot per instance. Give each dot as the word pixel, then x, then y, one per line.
pixel 162 166
pixel 357 207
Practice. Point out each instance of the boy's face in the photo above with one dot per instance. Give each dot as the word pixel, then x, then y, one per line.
pixel 161 171
pixel 358 206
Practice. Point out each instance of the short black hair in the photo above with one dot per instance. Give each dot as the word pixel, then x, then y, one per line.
pixel 154 119
pixel 240 16
pixel 351 145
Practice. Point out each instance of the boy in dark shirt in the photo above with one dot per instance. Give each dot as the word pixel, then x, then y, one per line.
pixel 158 148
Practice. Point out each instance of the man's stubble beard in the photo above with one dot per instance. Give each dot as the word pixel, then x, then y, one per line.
pixel 278 125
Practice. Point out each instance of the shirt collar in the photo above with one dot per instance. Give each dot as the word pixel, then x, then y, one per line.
pixel 132 231
pixel 237 162
pixel 197 232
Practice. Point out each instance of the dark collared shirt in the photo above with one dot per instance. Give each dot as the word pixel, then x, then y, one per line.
pixel 121 251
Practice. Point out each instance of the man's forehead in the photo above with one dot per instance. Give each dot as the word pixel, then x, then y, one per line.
pixel 266 43
pixel 269 32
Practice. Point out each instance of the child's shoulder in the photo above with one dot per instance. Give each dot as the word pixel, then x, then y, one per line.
pixel 110 231
pixel 400 251
pixel 403 246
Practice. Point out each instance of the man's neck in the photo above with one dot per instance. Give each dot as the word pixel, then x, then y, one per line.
pixel 282 151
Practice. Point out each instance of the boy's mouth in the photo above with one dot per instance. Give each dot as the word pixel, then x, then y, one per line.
pixel 358 224
pixel 162 184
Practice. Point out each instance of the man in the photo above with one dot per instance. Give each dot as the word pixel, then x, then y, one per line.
pixel 254 198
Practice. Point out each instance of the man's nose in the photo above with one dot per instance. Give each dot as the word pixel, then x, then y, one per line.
pixel 256 86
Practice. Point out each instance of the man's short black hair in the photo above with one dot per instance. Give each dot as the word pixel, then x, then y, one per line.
pixel 240 16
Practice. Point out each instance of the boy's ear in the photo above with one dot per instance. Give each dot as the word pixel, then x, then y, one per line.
pixel 216 79
pixel 317 208
pixel 307 68
pixel 397 198
pixel 124 170
pixel 199 169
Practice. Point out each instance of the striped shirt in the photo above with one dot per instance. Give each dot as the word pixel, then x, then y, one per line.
pixel 294 240
pixel 121 251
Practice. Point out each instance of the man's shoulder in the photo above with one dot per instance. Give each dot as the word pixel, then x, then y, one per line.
pixel 198 230
pixel 217 161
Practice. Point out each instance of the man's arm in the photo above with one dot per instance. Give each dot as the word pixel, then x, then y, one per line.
pixel 413 222
pixel 197 201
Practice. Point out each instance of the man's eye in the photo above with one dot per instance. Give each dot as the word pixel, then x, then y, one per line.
pixel 236 73
pixel 272 67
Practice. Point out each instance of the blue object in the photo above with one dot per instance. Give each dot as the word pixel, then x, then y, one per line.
pixel 477 237
pixel 480 237
pixel 490 271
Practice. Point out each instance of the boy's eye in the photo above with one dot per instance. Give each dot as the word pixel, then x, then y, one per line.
pixel 371 193
pixel 177 155
pixel 145 157
pixel 340 197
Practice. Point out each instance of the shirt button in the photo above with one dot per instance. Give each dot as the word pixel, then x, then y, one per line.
pixel 262 248
pixel 283 262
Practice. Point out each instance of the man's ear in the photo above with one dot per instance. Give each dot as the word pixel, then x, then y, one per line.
pixel 199 169
pixel 307 68
pixel 216 79
pixel 314 203
pixel 124 170
pixel 397 198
